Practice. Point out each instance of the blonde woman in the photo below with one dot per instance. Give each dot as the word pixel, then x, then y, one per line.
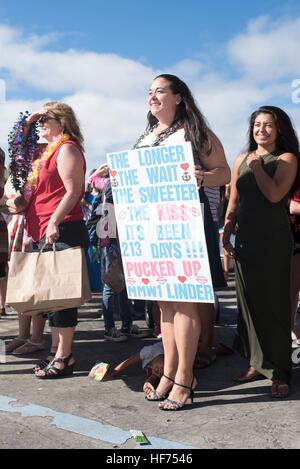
pixel 51 197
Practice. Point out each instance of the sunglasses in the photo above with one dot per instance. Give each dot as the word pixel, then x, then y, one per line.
pixel 44 119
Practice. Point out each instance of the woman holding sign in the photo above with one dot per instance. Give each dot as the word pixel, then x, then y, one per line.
pixel 174 118
pixel 262 180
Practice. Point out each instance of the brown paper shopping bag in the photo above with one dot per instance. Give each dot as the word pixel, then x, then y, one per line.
pixel 47 281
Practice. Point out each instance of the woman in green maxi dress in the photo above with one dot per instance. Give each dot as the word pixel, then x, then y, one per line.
pixel 262 179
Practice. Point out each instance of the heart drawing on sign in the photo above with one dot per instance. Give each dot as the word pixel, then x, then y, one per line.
pixel 145 281
pixel 182 279
pixel 113 173
pixel 184 166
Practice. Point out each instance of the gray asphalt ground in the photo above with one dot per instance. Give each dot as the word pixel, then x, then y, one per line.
pixel 42 414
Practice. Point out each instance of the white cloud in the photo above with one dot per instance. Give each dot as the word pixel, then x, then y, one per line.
pixel 70 71
pixel 268 51
pixel 109 92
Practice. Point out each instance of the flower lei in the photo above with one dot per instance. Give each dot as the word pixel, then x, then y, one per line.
pixel 33 176
pixel 21 150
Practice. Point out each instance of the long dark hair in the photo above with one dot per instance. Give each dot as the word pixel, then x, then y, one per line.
pixel 194 123
pixel 287 140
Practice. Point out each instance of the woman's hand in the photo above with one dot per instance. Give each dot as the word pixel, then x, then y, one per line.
pixel 229 249
pixel 101 171
pixel 14 205
pixel 35 116
pixel 52 233
pixel 253 160
pixel 199 174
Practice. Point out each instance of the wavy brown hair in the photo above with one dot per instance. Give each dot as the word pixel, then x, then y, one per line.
pixel 194 123
pixel 65 114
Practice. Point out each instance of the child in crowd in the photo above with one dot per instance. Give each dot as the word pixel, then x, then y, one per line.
pixel 152 358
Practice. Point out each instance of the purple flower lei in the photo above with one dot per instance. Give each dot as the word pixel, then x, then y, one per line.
pixel 21 151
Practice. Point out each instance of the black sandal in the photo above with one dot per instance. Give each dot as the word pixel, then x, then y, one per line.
pixel 176 405
pixel 52 372
pixel 43 363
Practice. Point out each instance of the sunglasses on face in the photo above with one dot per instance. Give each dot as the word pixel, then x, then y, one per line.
pixel 44 119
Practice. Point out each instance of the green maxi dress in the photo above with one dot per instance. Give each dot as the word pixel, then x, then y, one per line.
pixel 264 248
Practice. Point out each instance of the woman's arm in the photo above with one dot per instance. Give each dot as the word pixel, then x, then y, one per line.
pixel 132 360
pixel 101 171
pixel 71 171
pixel 217 170
pixel 276 187
pixel 230 217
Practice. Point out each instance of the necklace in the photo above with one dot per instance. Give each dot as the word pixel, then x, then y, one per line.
pixel 21 150
pixel 37 165
pixel 161 137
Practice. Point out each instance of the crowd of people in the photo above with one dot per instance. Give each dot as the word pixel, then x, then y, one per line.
pixel 260 206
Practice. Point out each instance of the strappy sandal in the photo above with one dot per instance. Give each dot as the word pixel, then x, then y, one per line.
pixel 52 372
pixel 43 363
pixel 176 405
pixel 156 395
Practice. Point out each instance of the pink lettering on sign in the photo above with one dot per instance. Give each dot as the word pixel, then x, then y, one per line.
pixel 191 268
pixel 173 212
pixel 150 269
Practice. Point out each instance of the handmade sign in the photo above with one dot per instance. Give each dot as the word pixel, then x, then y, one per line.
pixel 160 224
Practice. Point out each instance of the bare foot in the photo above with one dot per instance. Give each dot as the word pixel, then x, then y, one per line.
pixel 246 377
pixel 160 393
pixel 150 385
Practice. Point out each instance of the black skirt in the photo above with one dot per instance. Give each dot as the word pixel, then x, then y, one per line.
pixel 212 244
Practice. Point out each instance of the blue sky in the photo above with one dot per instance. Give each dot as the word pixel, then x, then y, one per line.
pixel 100 57
pixel 159 32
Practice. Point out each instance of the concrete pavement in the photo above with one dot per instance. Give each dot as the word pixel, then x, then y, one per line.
pixel 77 412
